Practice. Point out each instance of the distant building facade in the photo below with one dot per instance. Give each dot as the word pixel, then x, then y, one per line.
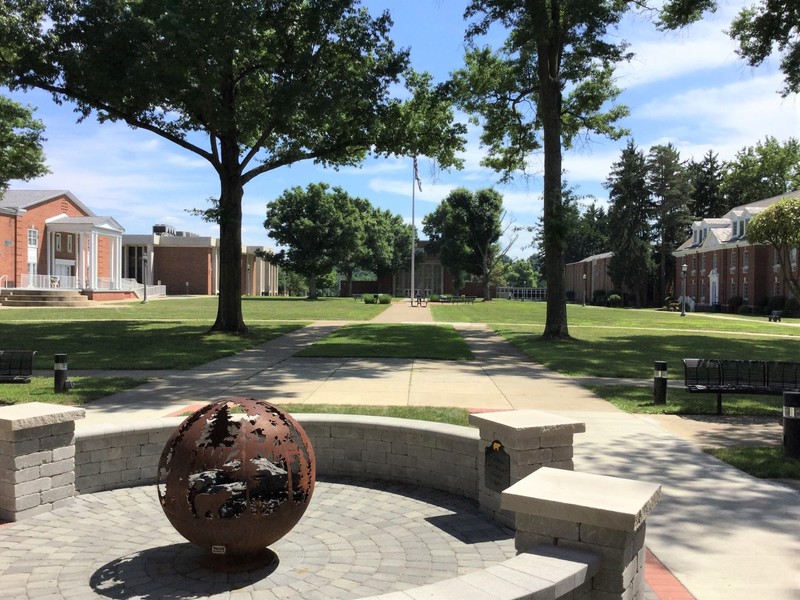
pixel 722 263
pixel 50 239
pixel 585 276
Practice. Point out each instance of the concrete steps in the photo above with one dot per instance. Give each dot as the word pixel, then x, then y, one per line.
pixel 19 298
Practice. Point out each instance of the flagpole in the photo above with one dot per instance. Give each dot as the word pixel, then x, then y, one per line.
pixel 413 226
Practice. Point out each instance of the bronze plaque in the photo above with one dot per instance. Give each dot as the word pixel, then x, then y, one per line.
pixel 498 467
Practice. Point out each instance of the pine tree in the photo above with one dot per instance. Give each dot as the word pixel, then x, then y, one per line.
pixel 706 179
pixel 629 222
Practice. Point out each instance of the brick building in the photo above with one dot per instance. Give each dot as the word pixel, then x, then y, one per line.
pixel 586 276
pixel 50 239
pixel 721 263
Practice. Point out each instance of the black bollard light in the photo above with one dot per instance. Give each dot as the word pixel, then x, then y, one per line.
pixel 60 373
pixel 660 382
pixel 791 424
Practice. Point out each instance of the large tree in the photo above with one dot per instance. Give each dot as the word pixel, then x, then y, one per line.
pixel 248 85
pixel 21 137
pixel 552 79
pixel 779 226
pixel 319 228
pixel 706 179
pixel 465 231
pixel 670 190
pixel 629 222
pixel 770 168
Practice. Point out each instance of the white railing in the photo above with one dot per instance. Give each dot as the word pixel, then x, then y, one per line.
pixel 522 293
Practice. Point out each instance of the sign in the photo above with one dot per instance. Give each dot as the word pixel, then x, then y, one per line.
pixel 498 467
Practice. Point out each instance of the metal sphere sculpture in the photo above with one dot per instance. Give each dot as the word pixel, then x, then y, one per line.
pixel 233 483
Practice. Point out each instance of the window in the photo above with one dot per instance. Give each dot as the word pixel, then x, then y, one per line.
pixel 33 238
pixel 733 259
pixel 745 259
pixel 733 288
pixel 694 262
pixel 776 258
pixel 777 291
pixel 714 261
pixel 58 242
pixel 793 257
pixel 745 291
pixel 69 244
pixel 703 263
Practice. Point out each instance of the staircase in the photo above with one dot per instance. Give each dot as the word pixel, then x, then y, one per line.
pixel 20 297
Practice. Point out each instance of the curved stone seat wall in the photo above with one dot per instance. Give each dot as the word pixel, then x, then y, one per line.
pixel 435 455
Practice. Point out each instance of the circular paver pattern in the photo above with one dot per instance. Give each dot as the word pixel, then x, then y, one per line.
pixel 358 538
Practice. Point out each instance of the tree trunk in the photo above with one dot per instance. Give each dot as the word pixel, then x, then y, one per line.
pixel 553 215
pixel 312 287
pixel 229 307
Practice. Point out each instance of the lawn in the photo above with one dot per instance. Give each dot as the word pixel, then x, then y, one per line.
pixel 87 389
pixel 379 340
pixel 766 462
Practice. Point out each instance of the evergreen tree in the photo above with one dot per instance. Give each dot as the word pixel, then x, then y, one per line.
pixel 670 189
pixel 706 179
pixel 629 222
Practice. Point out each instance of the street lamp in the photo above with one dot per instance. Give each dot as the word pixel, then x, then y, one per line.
pixel 584 289
pixel 247 287
pixel 144 277
pixel 684 268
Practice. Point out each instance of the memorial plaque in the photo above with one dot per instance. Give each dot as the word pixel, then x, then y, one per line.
pixel 498 467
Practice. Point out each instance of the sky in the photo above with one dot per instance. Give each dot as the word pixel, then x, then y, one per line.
pixel 688 88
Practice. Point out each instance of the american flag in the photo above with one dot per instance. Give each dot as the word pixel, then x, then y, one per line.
pixel 416 175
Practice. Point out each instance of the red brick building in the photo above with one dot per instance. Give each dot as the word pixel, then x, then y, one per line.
pixel 721 263
pixel 50 239
pixel 586 276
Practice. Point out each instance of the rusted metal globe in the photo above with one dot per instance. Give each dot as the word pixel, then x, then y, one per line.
pixel 236 476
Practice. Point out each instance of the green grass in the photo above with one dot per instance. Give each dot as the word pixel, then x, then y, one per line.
pixel 763 462
pixel 379 340
pixel 453 416
pixel 127 344
pixel 628 352
pixel 87 389
pixel 204 309
pixel 680 402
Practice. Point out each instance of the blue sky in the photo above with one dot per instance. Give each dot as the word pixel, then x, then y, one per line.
pixel 688 88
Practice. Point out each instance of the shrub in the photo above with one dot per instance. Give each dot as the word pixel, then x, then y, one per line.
pixel 792 306
pixel 745 310
pixel 776 303
pixel 615 300
pixel 599 297
pixel 385 299
pixel 370 299
pixel 734 303
pixel 434 298
pixel 570 296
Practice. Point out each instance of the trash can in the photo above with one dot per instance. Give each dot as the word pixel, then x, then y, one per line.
pixel 660 382
pixel 791 424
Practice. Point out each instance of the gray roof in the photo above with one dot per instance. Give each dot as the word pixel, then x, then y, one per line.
pixel 23 199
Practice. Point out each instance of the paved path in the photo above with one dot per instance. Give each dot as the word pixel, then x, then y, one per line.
pixel 725 535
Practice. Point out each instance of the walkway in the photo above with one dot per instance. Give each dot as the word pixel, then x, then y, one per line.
pixel 723 534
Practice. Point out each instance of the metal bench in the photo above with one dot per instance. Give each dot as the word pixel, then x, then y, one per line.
pixel 775 316
pixel 16 366
pixel 722 376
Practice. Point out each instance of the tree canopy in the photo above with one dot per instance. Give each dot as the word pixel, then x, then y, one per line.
pixel 21 137
pixel 779 226
pixel 464 231
pixel 319 227
pixel 250 86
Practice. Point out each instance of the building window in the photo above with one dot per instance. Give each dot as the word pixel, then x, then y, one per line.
pixel 58 242
pixel 33 238
pixel 714 261
pixel 733 258
pixel 776 258
pixel 733 288
pixel 703 263
pixel 793 257
pixel 694 262
pixel 745 292
pixel 69 244
pixel 745 260
pixel 777 287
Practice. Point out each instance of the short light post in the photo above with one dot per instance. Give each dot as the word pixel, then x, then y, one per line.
pixel 247 287
pixel 660 382
pixel 187 288
pixel 144 277
pixel 584 289
pixel 684 268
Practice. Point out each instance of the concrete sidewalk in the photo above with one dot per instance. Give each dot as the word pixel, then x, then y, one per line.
pixel 723 534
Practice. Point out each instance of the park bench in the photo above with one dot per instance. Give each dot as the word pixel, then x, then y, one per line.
pixel 358 297
pixel 16 366
pixel 721 376
pixel 775 316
